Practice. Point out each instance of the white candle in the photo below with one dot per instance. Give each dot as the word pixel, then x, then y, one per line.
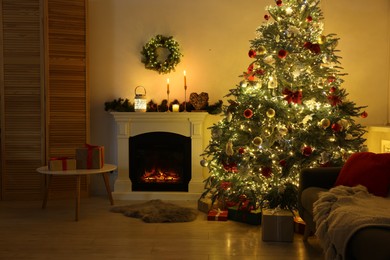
pixel 175 108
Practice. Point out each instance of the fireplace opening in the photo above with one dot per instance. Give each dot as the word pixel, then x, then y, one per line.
pixel 160 161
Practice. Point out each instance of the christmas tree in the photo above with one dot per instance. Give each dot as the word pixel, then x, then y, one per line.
pixel 288 112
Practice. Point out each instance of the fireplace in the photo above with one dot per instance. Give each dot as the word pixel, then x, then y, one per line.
pixel 160 161
pixel 181 183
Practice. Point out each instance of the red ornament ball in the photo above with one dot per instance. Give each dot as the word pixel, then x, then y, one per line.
pixel 282 163
pixel 332 89
pixel 331 79
pixel 252 53
pixel 336 127
pixel 307 151
pixel 364 114
pixel 266 171
pixel 279 3
pixel 282 54
pixel 266 17
pixel 248 113
pixel 241 150
pixel 309 19
pixel 260 72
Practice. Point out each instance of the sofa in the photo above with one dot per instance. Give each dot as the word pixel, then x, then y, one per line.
pixel 370 242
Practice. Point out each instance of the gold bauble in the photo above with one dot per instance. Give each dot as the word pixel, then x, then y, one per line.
pixel 325 123
pixel 270 113
pixel 257 141
pixel 261 50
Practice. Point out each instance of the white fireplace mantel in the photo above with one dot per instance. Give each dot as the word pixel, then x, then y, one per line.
pixel 128 124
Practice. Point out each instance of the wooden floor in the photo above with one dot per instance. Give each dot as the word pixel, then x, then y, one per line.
pixel 29 232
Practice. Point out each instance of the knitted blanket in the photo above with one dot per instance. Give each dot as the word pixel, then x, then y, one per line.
pixel 341 211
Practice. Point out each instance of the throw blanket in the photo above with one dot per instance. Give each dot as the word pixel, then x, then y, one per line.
pixel 342 211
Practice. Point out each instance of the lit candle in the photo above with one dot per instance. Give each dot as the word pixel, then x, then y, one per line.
pixel 175 108
pixel 185 79
pixel 168 85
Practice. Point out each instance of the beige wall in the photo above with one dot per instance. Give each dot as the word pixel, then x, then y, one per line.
pixel 214 36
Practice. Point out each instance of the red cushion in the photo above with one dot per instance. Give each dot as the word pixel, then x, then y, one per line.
pixel 368 169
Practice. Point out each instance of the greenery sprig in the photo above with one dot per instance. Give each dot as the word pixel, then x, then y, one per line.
pixel 124 105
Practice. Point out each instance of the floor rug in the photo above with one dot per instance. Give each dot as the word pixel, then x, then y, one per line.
pixel 157 211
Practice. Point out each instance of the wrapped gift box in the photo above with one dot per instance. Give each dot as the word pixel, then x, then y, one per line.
pixel 62 164
pixel 90 157
pixel 217 215
pixel 252 217
pixel 277 225
pixel 204 204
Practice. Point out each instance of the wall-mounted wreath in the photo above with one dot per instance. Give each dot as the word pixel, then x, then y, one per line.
pixel 161 53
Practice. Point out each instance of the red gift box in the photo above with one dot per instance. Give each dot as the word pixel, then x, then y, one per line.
pixel 62 164
pixel 90 157
pixel 217 215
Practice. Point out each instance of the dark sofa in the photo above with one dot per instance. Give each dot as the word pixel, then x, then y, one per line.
pixel 367 243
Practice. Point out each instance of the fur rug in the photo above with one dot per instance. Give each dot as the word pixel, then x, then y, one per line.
pixel 157 211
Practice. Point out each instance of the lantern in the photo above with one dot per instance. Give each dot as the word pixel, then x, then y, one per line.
pixel 140 101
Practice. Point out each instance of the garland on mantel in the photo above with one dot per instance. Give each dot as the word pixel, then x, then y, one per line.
pixel 124 105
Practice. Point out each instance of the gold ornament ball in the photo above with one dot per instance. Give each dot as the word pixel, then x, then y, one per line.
pixel 325 123
pixel 204 163
pixel 257 141
pixel 261 50
pixel 270 113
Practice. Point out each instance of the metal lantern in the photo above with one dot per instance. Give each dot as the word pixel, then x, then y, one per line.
pixel 140 100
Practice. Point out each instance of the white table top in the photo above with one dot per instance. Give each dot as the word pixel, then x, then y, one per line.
pixel 106 168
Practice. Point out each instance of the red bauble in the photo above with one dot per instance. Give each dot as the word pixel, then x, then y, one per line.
pixel 259 72
pixel 225 185
pixel 331 79
pixel 252 54
pixel 307 151
pixel 266 17
pixel 332 89
pixel 266 171
pixel 309 19
pixel 279 3
pixel 241 150
pixel 307 45
pixel 364 114
pixel 248 113
pixel 336 127
pixel 250 68
pixel 282 163
pixel 282 54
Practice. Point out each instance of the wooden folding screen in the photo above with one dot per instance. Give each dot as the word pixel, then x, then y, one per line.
pixel 22 139
pixel 44 91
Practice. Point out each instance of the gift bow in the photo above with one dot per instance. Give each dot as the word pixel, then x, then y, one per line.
pixel 295 97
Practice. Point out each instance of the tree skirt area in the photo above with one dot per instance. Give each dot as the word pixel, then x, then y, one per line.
pixel 157 211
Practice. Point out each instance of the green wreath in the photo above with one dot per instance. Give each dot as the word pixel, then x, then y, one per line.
pixel 153 54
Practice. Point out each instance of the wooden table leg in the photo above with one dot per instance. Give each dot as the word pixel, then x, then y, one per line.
pixel 107 183
pixel 78 181
pixel 47 188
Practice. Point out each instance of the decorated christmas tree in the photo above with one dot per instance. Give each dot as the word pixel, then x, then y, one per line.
pixel 287 113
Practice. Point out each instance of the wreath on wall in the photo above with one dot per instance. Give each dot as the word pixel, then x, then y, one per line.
pixel 161 53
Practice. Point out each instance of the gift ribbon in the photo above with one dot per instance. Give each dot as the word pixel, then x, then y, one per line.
pixel 218 213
